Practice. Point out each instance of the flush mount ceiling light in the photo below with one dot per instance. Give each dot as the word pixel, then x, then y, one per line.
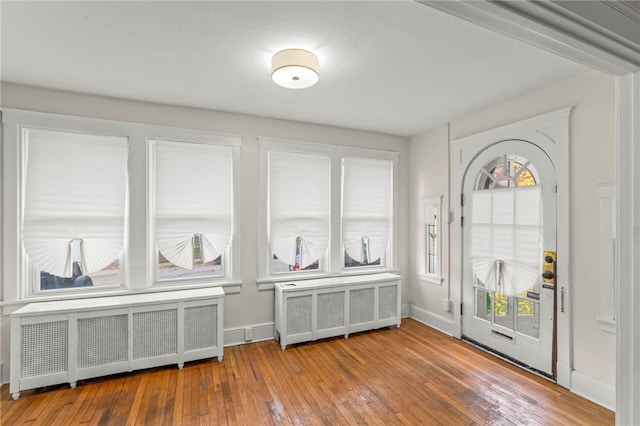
pixel 294 68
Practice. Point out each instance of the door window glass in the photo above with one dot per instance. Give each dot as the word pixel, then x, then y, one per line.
pixel 507 171
pixel 521 312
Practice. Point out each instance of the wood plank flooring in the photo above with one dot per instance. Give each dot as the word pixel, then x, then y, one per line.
pixel 413 375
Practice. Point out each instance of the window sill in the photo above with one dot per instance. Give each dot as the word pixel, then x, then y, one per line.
pixel 431 278
pixel 230 287
pixel 607 324
pixel 268 283
pixel 11 306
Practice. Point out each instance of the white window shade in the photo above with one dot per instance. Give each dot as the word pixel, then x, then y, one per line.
pixel 366 206
pixel 299 206
pixel 193 195
pixel 506 238
pixel 75 188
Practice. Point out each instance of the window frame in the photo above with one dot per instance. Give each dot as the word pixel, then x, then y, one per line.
pixel 323 261
pixel 334 264
pixel 18 275
pixel 345 161
pixel 31 277
pixel 230 267
pixel 506 160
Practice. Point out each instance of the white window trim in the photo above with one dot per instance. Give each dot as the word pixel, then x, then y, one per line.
pixel 30 274
pixel 428 206
pixel 335 264
pixel 134 265
pixel 607 316
pixel 232 253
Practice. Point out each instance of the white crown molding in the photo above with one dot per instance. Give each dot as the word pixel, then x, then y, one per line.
pixel 553 27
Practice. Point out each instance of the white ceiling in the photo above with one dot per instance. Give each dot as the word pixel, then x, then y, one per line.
pixel 396 67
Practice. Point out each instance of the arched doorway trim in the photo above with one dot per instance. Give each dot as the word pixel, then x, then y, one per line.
pixel 550 132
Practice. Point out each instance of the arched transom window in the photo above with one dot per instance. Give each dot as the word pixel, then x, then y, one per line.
pixel 507 171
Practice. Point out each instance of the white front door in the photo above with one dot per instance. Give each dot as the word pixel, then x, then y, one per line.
pixel 507 306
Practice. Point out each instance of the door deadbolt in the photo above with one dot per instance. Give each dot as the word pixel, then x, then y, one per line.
pixel 549 269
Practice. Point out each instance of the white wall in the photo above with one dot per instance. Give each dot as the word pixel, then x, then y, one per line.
pixel 592 162
pixel 423 172
pixel 250 307
pixel 429 167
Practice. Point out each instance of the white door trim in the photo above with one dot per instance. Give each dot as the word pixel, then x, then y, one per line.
pixel 628 249
pixel 555 127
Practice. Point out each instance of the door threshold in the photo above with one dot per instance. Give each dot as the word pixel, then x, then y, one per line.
pixel 508 359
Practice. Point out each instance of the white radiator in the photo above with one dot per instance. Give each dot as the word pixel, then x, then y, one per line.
pixel 67 341
pixel 327 307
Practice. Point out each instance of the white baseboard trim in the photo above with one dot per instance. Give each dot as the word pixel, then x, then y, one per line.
pixel 594 390
pixel 438 322
pixel 4 374
pixel 260 332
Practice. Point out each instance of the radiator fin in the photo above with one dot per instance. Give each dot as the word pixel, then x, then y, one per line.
pixel 201 325
pixel 102 340
pixel 44 349
pixel 388 305
pixel 361 306
pixel 155 333
pixel 299 314
pixel 330 310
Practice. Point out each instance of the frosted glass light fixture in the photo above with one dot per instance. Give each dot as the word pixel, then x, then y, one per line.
pixel 295 68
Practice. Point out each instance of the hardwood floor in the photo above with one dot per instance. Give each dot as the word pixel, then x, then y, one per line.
pixel 413 375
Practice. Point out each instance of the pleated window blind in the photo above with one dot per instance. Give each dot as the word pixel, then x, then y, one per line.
pixel 193 207
pixel 506 251
pixel 366 209
pixel 328 208
pixel 299 207
pixel 74 190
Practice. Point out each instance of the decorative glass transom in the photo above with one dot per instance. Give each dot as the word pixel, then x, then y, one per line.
pixel 507 171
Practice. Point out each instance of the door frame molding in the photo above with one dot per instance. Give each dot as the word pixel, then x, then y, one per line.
pixel 627 249
pixel 555 127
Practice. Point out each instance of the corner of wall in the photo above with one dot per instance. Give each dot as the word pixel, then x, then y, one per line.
pixel 4 374
pixel 438 322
